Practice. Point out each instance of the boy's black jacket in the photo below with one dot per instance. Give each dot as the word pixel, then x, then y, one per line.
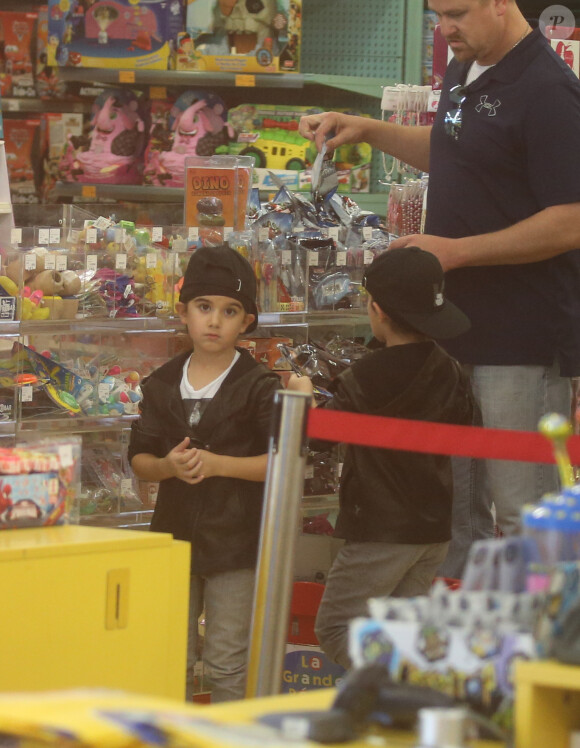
pixel 220 516
pixel 395 496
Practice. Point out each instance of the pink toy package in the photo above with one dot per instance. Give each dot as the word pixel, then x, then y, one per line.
pixel 113 150
pixel 196 125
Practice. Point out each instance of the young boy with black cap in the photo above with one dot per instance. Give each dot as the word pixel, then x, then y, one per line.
pixel 395 506
pixel 203 434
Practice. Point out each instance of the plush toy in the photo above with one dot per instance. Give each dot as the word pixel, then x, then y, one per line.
pixel 196 126
pixel 112 152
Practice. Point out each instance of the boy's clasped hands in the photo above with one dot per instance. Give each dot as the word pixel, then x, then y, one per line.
pixel 191 465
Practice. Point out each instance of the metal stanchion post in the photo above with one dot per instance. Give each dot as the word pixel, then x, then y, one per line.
pixel 280 523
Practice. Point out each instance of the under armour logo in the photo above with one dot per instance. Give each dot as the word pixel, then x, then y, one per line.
pixel 484 104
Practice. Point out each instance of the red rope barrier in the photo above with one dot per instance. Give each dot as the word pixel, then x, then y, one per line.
pixel 435 438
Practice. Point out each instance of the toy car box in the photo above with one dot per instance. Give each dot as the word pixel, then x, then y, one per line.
pixel 124 34
pixel 270 134
pixel 241 36
pixel 18 52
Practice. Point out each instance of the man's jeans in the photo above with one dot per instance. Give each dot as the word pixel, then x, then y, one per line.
pixel 227 598
pixel 510 397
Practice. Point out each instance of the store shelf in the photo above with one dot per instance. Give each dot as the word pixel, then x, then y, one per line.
pixel 181 78
pixel 103 325
pixel 356 84
pixel 34 105
pixel 374 202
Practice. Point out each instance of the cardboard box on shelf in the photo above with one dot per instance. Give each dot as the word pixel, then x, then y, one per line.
pixel 234 36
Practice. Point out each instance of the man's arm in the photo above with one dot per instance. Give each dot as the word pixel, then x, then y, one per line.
pixel 408 144
pixel 546 234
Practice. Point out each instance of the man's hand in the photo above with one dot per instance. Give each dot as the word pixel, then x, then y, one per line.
pixel 300 384
pixel 345 128
pixel 444 249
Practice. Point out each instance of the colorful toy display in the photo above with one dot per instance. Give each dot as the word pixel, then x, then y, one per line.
pixel 241 36
pixel 112 153
pixel 196 125
pixel 38 482
pixel 17 55
pixel 113 33
pixel 269 133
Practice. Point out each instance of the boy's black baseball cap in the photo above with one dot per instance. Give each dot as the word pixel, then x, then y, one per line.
pixel 407 283
pixel 221 271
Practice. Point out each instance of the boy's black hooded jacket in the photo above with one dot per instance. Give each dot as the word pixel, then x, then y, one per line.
pixel 220 516
pixel 395 496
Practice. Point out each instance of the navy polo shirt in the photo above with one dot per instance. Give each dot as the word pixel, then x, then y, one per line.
pixel 518 152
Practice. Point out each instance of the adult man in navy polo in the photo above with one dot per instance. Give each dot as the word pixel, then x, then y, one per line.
pixel 503 217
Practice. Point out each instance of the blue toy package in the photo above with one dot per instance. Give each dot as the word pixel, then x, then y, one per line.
pixel 122 34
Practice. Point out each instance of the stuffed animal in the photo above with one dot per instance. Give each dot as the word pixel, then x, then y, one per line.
pixel 112 152
pixel 197 126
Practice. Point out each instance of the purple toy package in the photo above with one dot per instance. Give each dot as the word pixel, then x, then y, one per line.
pixel 196 125
pixel 112 153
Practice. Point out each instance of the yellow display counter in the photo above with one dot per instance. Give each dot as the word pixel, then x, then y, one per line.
pixel 101 720
pixel 84 606
pixel 547 705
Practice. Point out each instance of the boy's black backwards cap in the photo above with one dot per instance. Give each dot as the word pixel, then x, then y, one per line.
pixel 221 271
pixel 407 283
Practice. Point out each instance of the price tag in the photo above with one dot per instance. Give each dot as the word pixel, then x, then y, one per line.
pixel 50 261
pixel 157 234
pixel 30 261
pixel 92 236
pixel 341 257
pixel 61 262
pixel 88 190
pixel 129 243
pixel 92 263
pixel 26 393
pixel 263 233
pixel 16 236
pixel 121 261
pixel 269 319
pixel 286 257
pixel 119 235
pixel 228 231
pixel 193 233
pixel 73 236
pixel 245 81
pixel 333 233
pixel 126 76
pixel 309 472
pixel 43 236
pixel 102 223
pixel 54 236
pixel 65 455
pixel 104 391
pixel 368 257
pixel 126 486
pixel 157 92
pixel 367 232
pixel 13 105
pixel 312 257
pixel 151 260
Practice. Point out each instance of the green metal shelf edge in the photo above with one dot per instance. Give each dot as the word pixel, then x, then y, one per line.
pixel 374 202
pixel 355 84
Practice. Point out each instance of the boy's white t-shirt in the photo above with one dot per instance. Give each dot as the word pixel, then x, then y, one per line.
pixel 196 401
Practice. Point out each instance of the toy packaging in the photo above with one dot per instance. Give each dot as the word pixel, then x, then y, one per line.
pixel 38 483
pixel 112 152
pixel 269 134
pixel 196 125
pixel 241 36
pixel 48 85
pixel 217 190
pixel 18 30
pixel 59 128
pixel 124 34
pixel 23 138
